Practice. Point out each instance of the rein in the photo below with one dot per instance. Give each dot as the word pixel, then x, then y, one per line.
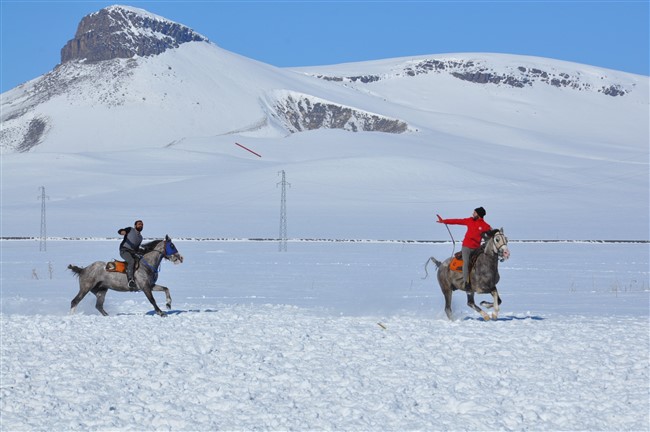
pixel 150 267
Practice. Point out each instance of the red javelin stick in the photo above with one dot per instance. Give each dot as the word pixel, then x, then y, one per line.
pixel 246 148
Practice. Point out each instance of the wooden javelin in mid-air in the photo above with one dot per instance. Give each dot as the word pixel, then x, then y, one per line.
pixel 246 148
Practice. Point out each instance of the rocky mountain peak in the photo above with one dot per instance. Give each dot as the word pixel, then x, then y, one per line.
pixel 124 31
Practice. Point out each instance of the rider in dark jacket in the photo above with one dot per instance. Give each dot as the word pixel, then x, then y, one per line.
pixel 130 249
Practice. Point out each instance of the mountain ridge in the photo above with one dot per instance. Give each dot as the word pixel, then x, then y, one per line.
pixel 112 75
pixel 472 68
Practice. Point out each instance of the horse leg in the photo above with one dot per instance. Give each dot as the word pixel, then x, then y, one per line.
pixel 84 288
pixel 446 288
pixel 100 293
pixel 493 304
pixel 497 302
pixel 470 303
pixel 447 292
pixel 488 304
pixel 147 292
pixel 166 291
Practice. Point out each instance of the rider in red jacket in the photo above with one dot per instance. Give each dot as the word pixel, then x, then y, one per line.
pixel 476 226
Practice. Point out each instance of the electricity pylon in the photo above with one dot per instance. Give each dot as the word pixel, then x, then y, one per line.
pixel 283 212
pixel 43 241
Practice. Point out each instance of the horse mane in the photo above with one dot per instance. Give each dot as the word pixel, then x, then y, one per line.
pixel 489 234
pixel 148 247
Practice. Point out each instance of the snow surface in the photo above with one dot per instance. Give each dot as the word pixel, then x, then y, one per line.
pixel 328 336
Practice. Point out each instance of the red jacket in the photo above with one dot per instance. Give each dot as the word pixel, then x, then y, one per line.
pixel 475 228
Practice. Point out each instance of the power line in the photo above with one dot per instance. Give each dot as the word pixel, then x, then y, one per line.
pixel 283 212
pixel 43 240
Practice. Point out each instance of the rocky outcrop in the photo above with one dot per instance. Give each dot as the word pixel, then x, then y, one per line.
pixel 123 32
pixel 35 132
pixel 299 112
pixel 480 73
pixel 613 90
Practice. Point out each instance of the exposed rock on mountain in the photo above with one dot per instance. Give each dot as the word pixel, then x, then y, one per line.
pixel 33 136
pixel 481 73
pixel 303 112
pixel 122 32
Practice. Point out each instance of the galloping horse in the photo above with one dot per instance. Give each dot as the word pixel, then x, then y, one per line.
pixel 96 279
pixel 484 274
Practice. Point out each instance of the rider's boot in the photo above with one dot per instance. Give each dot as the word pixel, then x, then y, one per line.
pixel 132 284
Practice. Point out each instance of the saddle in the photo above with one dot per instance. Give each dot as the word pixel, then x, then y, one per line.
pixel 456 263
pixel 116 266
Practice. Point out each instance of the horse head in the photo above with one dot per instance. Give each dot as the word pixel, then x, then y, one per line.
pixel 497 243
pixel 170 251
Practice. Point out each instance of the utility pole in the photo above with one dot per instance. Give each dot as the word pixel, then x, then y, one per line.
pixel 283 212
pixel 43 242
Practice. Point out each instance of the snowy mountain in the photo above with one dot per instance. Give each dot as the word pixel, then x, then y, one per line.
pixel 140 120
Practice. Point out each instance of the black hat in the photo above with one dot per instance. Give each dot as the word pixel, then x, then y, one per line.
pixel 480 211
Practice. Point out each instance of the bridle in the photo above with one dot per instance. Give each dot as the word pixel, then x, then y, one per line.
pixel 168 250
pixel 500 245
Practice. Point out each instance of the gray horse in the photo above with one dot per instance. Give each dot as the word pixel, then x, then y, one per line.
pixel 96 279
pixel 484 274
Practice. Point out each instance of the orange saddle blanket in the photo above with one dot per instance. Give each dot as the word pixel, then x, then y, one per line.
pixel 120 266
pixel 456 263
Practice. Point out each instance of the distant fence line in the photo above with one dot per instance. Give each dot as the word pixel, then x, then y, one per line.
pixel 313 240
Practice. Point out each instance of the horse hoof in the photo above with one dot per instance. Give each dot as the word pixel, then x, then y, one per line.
pixel 494 316
pixel 485 316
pixel 162 314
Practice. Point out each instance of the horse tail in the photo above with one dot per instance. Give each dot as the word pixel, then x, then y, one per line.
pixel 75 269
pixel 426 264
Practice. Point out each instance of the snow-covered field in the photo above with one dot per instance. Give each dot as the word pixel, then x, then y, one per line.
pixel 328 336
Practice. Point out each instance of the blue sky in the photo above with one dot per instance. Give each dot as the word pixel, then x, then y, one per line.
pixel 610 34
